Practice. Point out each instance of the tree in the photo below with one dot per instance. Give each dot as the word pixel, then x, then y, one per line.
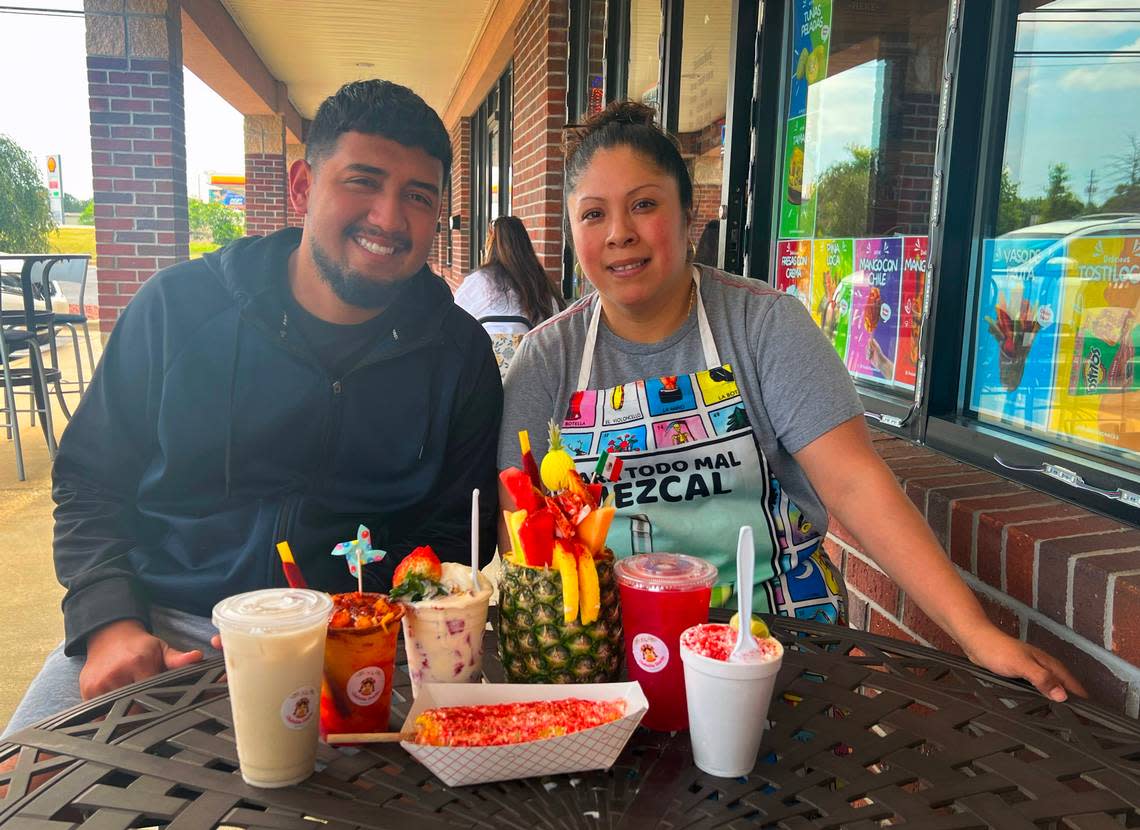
pixel 843 195
pixel 25 217
pixel 210 220
pixel 1060 201
pixel 73 204
pixel 1012 212
pixel 87 217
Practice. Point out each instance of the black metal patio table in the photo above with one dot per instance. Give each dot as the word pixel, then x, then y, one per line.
pixel 866 732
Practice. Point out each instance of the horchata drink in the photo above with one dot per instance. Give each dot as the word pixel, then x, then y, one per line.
pixel 360 660
pixel 727 699
pixel 274 644
pixel 662 594
pixel 445 620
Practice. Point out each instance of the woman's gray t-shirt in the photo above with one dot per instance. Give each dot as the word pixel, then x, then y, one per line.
pixel 795 388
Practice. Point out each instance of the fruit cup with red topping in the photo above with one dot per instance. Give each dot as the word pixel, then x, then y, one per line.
pixel 445 620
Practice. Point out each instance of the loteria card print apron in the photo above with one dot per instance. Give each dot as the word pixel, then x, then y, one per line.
pixel 692 474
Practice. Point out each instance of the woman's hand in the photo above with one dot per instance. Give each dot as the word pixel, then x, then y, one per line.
pixel 1002 654
pixel 863 494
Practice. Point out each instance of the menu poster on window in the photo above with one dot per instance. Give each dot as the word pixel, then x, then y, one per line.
pixel 793 269
pixel 876 288
pixel 811 36
pixel 1016 330
pixel 832 264
pixel 1097 378
pixel 797 203
pixel 910 308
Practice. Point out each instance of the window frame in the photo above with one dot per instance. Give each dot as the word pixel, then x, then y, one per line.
pixel 497 106
pixel 970 209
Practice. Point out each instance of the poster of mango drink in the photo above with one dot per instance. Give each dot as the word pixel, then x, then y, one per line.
pixel 832 263
pixel 874 327
pixel 1097 381
pixel 910 308
pixel 793 269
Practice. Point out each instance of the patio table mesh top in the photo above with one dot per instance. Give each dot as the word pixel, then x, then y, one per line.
pixel 866 732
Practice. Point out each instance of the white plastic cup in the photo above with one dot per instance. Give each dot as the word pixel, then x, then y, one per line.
pixel 728 710
pixel 274 645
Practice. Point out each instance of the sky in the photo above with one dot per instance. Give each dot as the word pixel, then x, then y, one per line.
pixel 1075 98
pixel 47 112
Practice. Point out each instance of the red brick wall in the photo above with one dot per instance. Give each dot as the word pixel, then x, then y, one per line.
pixel 460 206
pixel 916 164
pixel 1046 571
pixel 539 113
pixel 138 166
pixel 265 193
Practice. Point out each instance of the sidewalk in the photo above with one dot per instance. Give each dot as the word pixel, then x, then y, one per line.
pixel 29 606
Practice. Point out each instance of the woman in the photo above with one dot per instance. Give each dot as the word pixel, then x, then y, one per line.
pixel 721 395
pixel 510 284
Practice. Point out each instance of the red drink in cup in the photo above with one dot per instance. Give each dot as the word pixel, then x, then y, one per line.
pixel 662 594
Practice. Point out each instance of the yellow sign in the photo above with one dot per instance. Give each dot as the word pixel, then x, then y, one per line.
pixel 1097 386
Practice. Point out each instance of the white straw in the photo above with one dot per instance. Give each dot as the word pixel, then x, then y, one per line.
pixel 359 569
pixel 475 541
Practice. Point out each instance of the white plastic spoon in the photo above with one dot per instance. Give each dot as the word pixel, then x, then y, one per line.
pixel 745 560
pixel 475 541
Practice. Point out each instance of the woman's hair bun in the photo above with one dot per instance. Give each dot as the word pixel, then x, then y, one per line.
pixel 623 112
pixel 617 114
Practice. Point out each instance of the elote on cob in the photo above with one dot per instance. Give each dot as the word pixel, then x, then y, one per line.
pixel 513 723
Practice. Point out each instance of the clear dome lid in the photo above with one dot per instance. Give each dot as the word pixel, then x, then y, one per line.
pixel 665 572
pixel 273 610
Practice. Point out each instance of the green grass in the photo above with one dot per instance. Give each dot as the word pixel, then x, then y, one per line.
pixel 81 240
pixel 201 246
pixel 73 240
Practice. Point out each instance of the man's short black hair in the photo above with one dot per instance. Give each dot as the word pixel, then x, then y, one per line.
pixel 381 108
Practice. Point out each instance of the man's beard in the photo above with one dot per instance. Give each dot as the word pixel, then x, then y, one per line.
pixel 352 287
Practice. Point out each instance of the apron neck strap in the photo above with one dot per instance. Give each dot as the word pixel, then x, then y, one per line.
pixel 708 345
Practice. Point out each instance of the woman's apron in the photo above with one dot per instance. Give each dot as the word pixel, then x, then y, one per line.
pixel 692 474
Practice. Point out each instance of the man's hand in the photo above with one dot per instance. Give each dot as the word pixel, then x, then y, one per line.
pixel 124 652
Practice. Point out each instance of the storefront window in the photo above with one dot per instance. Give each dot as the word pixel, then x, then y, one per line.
pixel 702 104
pixel 1057 305
pixel 491 164
pixel 853 201
pixel 644 58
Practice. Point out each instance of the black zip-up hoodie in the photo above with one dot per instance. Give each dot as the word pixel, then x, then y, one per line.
pixel 210 432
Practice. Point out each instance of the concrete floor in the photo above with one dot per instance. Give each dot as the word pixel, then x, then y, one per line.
pixel 29 602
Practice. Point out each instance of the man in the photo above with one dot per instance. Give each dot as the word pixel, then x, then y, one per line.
pixel 289 387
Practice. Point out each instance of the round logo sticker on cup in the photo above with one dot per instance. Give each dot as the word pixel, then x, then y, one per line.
pixel 299 707
pixel 650 652
pixel 365 686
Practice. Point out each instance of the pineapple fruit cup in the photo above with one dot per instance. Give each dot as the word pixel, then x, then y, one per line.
pixel 559 611
pixel 537 644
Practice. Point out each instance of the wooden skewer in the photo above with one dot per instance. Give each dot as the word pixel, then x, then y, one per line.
pixel 369 737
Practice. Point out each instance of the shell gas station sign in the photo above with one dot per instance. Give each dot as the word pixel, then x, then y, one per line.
pixel 54 167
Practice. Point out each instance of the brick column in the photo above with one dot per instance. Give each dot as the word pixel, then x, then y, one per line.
pixel 539 112
pixel 460 206
pixel 293 152
pixel 138 144
pixel 265 192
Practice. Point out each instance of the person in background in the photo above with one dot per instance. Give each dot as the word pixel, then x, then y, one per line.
pixel 708 244
pixel 284 388
pixel 510 283
pixel 511 293
pixel 771 429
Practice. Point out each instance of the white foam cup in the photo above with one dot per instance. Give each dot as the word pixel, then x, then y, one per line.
pixel 274 645
pixel 728 710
